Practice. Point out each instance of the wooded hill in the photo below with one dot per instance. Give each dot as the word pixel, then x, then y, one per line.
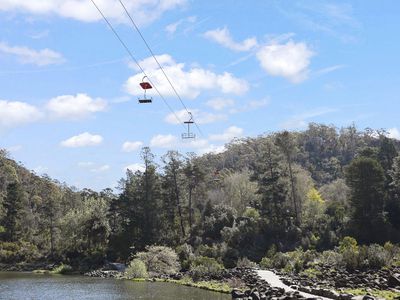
pixel 285 190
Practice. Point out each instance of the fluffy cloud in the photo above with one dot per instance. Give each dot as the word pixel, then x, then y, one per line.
pixel 135 167
pixel 223 37
pixel 289 60
pixel 200 117
pixel 171 28
pixel 220 103
pixel 164 141
pixel 74 107
pixel 189 83
pixel 27 55
pixel 100 169
pixel 131 146
pixel 144 11
pixel 83 140
pixel 394 133
pixel 229 134
pixel 15 113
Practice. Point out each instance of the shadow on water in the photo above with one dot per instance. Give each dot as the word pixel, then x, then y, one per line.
pixel 36 286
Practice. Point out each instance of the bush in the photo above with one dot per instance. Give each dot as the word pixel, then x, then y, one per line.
pixel 205 266
pixel 11 252
pixel 350 252
pixel 62 269
pixel 378 257
pixel 244 262
pixel 136 269
pixel 266 263
pixel 185 254
pixel 159 260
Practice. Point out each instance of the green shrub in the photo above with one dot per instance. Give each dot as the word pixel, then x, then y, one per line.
pixel 205 266
pixel 62 269
pixel 159 260
pixel 378 256
pixel 350 252
pixel 11 252
pixel 136 269
pixel 266 263
pixel 244 262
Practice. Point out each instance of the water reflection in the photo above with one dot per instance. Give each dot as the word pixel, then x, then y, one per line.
pixel 35 286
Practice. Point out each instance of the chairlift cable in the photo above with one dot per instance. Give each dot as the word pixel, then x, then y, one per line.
pixel 135 60
pixel 159 65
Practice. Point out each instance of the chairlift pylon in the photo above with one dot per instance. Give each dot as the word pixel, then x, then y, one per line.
pixel 145 85
pixel 188 134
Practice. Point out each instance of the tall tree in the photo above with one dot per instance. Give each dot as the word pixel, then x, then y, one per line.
pixel 286 142
pixel 366 179
pixel 13 206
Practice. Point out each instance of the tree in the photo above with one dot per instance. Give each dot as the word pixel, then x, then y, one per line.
pixel 172 182
pixel 286 142
pixel 366 179
pixel 13 206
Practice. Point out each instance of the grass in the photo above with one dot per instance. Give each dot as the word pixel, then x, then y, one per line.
pixel 311 273
pixel 390 295
pixel 214 286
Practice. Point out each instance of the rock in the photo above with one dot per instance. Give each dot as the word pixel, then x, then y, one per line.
pixel 345 296
pixel 255 295
pixel 393 280
pixel 237 294
pixel 368 297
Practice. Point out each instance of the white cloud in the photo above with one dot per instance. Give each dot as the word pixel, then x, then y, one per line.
pixel 164 141
pixel 289 60
pixel 143 11
pixel 189 83
pixel 394 133
pixel 171 28
pixel 220 103
pixel 15 113
pixel 200 117
pixel 83 140
pixel 131 146
pixel 85 164
pixel 251 105
pixel 301 120
pixel 74 107
pixel 100 169
pixel 27 55
pixel 212 149
pixel 135 167
pixel 229 134
pixel 223 37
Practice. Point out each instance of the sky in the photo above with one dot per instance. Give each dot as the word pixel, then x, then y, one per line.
pixel 69 90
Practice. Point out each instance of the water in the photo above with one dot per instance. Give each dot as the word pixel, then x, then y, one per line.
pixel 24 286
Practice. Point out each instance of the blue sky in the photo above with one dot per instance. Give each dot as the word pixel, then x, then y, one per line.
pixel 68 89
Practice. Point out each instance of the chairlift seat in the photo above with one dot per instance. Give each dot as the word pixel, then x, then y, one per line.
pixel 145 100
pixel 145 85
pixel 188 135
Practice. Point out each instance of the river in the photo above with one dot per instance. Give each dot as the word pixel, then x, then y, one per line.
pixel 21 286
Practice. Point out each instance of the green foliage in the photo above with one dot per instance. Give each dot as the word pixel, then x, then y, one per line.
pixel 62 269
pixel 159 260
pixel 205 266
pixel 244 262
pixel 136 269
pixel 13 252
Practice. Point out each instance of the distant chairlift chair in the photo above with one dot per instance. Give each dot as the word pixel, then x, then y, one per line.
pixel 188 134
pixel 145 86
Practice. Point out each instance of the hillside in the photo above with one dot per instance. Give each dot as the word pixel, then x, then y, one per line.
pixel 281 190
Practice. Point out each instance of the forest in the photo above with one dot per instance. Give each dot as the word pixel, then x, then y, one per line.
pixel 285 190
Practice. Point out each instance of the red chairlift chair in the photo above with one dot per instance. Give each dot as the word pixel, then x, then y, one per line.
pixel 145 86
